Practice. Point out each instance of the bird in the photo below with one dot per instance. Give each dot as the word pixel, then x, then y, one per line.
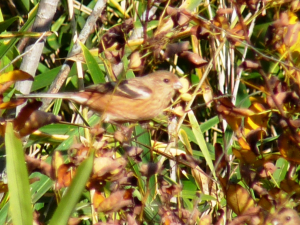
pixel 286 216
pixel 132 100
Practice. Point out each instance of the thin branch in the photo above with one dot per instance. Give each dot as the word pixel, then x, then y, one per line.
pixel 66 67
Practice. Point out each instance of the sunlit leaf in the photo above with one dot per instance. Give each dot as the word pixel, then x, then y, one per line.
pixel 16 75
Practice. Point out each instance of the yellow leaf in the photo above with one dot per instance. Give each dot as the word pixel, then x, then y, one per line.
pixel 16 75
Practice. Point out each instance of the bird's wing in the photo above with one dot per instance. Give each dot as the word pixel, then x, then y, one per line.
pixel 132 88
pixel 101 88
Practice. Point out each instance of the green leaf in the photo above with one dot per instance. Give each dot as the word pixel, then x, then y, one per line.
pixel 191 5
pixel 25 4
pixel 204 127
pixel 184 138
pixel 209 124
pixel 69 200
pixel 5 24
pixel 282 169
pixel 65 145
pixel 18 183
pixel 40 187
pixel 5 48
pixel 57 106
pixel 143 136
pixel 53 41
pixel 201 141
pixel 4 213
pixel 45 79
pixel 96 72
pixel 58 23
pixel 192 194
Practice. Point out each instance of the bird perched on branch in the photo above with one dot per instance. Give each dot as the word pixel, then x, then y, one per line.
pixel 135 99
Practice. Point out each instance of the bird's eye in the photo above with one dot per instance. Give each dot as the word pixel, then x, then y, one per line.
pixel 288 218
pixel 166 81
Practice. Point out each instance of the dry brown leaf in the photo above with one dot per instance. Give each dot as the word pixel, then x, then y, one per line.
pixel 288 147
pixel 108 168
pixel 65 174
pixel 116 201
pixel 238 199
pixel 194 58
pixel 176 48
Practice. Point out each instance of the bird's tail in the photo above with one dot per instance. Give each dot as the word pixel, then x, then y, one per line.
pixel 73 96
pixel 49 95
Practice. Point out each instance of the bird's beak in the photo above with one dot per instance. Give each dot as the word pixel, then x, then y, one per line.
pixel 177 85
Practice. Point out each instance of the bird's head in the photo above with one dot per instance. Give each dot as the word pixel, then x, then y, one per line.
pixel 164 79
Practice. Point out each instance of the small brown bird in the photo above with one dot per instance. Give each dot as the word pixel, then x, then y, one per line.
pixel 136 99
pixel 286 216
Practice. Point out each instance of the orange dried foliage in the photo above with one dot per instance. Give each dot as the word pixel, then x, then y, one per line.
pixel 79 153
pixel 116 35
pixel 243 143
pixel 57 161
pixel 65 174
pixel 290 187
pixel 289 147
pixel 15 75
pixel 116 201
pixel 3 187
pixel 108 168
pixel 11 104
pixel 237 34
pixel 245 156
pixel 98 198
pixel 265 203
pixel 238 199
pixel 258 121
pixel 31 119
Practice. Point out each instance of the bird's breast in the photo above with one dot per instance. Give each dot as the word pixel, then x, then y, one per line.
pixel 115 108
